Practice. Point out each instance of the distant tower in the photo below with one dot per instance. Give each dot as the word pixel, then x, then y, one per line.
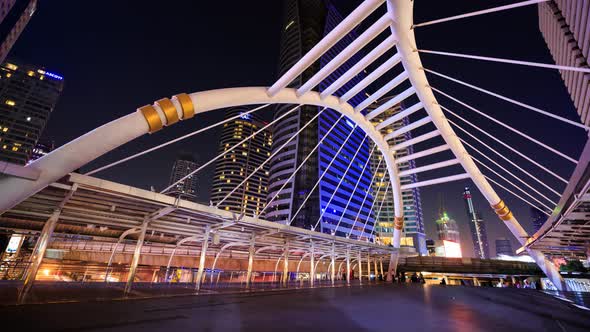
pixel 28 95
pixel 447 228
pixel 187 189
pixel 240 163
pixel 413 232
pixel 538 218
pixel 503 247
pixel 477 226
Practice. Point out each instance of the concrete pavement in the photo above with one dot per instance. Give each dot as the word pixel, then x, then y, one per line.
pixel 375 308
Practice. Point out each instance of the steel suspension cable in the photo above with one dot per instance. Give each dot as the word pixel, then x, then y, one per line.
pixel 271 156
pixel 354 189
pixel 365 199
pixel 480 12
pixel 339 182
pixel 498 153
pixel 174 141
pixel 515 102
pixel 380 207
pixel 230 149
pixel 516 195
pixel 508 181
pixel 510 61
pixel 541 144
pixel 302 163
pixel 509 147
pixel 323 174
pixel 510 173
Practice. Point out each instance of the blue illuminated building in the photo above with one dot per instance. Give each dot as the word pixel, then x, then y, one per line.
pixel 350 207
pixel 305 23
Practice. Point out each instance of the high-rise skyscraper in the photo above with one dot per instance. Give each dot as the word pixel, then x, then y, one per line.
pixel 564 25
pixel 305 23
pixel 477 227
pixel 14 16
pixel 447 228
pixel 28 95
pixel 503 247
pixel 239 164
pixel 413 232
pixel 187 188
pixel 538 218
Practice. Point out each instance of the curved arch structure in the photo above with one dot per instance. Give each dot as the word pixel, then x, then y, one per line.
pixel 401 12
pixel 165 112
pixel 148 119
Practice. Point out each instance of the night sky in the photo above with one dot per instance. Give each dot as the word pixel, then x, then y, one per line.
pixel 118 55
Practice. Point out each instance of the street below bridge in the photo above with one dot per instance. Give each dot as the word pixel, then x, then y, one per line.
pixel 377 307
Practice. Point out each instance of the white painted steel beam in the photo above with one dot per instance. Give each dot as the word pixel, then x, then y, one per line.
pixel 341 30
pixel 435 181
pixel 372 77
pixel 363 63
pixel 399 116
pixel 391 102
pixel 399 79
pixel 408 128
pixel 421 154
pixel 430 167
pixel 361 41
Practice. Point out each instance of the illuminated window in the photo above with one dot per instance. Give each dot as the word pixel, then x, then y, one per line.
pixel 8 74
pixel 41 77
pixel 31 73
pixel 11 66
pixel 41 71
pixel 5 129
pixel 14 148
pixel 10 102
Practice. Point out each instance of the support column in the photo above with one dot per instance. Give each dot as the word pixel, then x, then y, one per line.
pixel 369 266
pixel 375 266
pixel 381 267
pixel 250 260
pixel 392 269
pixel 41 246
pixel 38 254
pixel 135 260
pixel 333 272
pixel 475 282
pixel 121 238
pixel 312 265
pixel 348 265
pixel 286 264
pixel 360 264
pixel 204 247
pixel 169 263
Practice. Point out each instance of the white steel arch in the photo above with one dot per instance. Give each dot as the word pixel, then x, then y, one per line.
pixel 92 145
pixel 401 12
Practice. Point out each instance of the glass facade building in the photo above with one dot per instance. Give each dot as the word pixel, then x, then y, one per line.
pixel 348 211
pixel 413 234
pixel 187 188
pixel 240 163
